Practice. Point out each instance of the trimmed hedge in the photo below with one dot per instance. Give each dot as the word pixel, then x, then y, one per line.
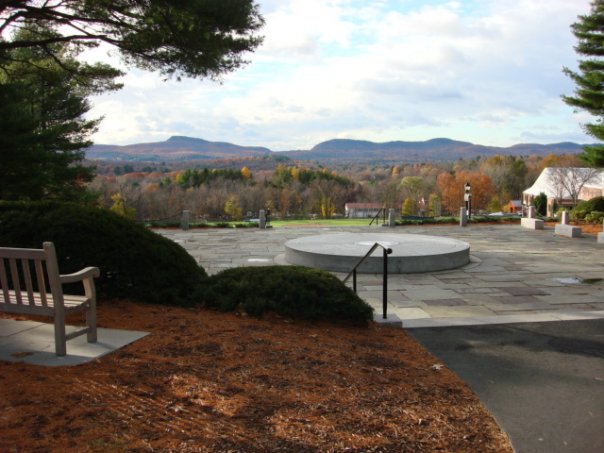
pixel 176 224
pixel 292 291
pixel 135 263
pixel 454 220
pixel 584 208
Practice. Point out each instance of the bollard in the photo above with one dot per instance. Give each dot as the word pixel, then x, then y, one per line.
pixel 463 217
pixel 391 218
pixel 262 219
pixel 184 220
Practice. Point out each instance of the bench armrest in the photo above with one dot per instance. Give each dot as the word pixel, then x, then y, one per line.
pixel 86 273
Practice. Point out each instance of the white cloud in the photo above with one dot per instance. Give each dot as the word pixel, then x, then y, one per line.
pixel 482 71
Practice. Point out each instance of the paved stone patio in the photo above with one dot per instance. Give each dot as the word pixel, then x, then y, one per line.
pixel 515 274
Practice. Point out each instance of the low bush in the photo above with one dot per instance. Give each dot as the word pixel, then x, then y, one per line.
pixel 177 224
pixel 595 217
pixel 582 209
pixel 135 263
pixel 455 220
pixel 292 291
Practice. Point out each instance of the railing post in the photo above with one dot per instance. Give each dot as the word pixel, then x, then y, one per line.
pixel 386 251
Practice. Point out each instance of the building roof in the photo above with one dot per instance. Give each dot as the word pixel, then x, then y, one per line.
pixel 546 182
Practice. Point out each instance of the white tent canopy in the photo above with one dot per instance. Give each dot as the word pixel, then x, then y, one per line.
pixel 548 181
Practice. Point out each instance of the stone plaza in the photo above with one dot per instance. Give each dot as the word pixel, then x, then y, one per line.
pixel 514 275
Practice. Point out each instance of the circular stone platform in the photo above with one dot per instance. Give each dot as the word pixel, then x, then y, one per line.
pixel 411 253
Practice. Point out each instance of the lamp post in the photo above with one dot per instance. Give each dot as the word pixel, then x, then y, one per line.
pixel 468 199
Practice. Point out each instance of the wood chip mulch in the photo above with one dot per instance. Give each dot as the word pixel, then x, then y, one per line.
pixel 204 381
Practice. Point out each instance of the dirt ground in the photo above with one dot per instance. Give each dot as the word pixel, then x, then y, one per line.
pixel 214 382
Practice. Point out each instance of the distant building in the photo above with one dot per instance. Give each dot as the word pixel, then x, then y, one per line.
pixel 362 210
pixel 515 207
pixel 548 183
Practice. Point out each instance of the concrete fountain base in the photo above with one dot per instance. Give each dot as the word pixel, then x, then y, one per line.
pixel 411 253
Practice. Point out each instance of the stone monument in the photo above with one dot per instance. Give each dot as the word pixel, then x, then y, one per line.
pixel 531 221
pixel 564 229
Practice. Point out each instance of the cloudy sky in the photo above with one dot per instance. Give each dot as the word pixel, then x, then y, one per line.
pixel 484 71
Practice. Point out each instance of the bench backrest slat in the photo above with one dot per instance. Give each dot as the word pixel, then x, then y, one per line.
pixel 20 285
pixel 41 282
pixel 4 281
pixel 14 275
pixel 28 284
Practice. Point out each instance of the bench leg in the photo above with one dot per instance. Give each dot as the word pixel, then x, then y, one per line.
pixel 91 335
pixel 60 340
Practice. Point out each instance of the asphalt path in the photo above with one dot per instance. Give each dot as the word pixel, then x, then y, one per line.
pixel 543 382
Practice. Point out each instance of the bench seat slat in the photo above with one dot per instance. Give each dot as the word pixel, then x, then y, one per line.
pixel 70 301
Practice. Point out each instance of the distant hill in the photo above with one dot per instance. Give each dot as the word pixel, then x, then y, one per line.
pixel 438 149
pixel 182 149
pixel 176 148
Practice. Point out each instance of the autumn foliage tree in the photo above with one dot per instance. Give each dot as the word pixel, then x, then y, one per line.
pixel 451 187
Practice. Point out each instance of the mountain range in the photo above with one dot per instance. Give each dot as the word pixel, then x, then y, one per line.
pixel 181 149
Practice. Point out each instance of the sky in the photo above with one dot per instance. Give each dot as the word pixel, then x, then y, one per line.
pixel 483 71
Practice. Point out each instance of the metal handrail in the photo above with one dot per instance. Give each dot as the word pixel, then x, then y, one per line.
pixel 386 251
pixel 381 210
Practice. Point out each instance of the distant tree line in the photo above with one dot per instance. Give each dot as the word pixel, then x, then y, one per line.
pixel 295 189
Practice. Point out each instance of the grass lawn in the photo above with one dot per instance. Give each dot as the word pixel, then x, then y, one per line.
pixel 322 222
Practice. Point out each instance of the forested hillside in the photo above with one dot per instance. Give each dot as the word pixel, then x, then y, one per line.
pixel 239 188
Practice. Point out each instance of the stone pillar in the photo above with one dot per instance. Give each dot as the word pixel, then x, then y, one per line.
pixel 184 220
pixel 532 212
pixel 565 218
pixel 262 219
pixel 463 216
pixel 391 218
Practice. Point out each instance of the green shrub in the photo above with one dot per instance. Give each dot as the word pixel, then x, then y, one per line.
pixel 585 207
pixel 540 203
pixel 292 291
pixel 135 263
pixel 195 224
pixel 595 217
pixel 455 220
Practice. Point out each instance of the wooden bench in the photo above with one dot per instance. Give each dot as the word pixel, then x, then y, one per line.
pixel 30 283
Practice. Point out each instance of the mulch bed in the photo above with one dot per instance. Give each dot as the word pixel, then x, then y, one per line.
pixel 214 382
pixel 204 381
